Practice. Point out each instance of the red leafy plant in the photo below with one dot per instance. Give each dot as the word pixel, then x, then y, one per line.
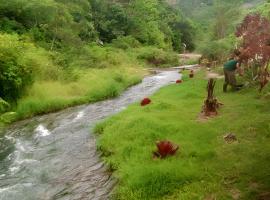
pixel 254 32
pixel 165 148
pixel 179 81
pixel 145 101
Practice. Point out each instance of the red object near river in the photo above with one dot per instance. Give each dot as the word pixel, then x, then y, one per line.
pixel 145 101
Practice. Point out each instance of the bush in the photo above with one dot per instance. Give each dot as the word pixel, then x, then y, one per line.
pixel 217 50
pixel 126 42
pixel 4 106
pixel 15 76
pixel 159 57
pixel 20 63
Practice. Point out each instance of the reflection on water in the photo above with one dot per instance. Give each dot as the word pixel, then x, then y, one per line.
pixel 54 156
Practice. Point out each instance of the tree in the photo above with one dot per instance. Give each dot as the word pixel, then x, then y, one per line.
pixel 254 32
pixel 110 19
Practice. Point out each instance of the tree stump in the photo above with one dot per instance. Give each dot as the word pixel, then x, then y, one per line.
pixel 211 104
pixel 191 74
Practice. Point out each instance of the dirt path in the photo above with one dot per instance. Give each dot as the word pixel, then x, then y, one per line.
pixel 214 75
pixel 190 56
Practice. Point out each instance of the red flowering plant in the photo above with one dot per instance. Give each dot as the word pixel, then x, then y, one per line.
pixel 145 101
pixel 254 32
pixel 164 149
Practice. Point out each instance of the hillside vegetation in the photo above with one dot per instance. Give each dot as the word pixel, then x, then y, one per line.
pixel 216 22
pixel 58 53
pixel 209 164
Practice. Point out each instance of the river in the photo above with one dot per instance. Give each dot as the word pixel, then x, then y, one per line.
pixel 54 156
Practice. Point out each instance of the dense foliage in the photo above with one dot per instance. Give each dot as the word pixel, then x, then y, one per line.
pixel 216 22
pixel 254 32
pixel 53 40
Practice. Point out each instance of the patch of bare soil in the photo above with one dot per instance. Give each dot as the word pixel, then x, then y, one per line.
pixel 210 197
pixel 203 118
pixel 264 196
pixel 214 75
pixel 235 193
pixel 190 56
pixel 230 138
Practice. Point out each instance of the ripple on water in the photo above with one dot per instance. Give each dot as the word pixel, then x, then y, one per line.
pixel 79 116
pixel 42 131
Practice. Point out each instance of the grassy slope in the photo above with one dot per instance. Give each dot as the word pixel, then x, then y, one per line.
pixel 92 85
pixel 206 167
pixel 94 73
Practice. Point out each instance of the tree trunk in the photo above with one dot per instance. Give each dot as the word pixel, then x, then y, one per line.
pixel 211 104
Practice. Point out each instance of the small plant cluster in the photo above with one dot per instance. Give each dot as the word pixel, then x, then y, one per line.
pixel 254 32
pixel 211 104
pixel 164 149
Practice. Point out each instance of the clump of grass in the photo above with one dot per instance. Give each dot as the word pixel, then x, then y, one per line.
pixel 158 57
pixel 206 166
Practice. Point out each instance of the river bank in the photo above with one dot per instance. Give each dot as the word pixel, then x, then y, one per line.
pixel 54 157
pixel 206 166
pixel 91 86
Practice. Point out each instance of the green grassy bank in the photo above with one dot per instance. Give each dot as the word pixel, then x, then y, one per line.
pixel 93 85
pixel 206 167
pixel 41 81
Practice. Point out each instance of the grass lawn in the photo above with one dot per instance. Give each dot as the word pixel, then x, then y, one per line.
pixel 205 167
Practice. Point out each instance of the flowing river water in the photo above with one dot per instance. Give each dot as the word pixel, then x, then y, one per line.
pixel 54 156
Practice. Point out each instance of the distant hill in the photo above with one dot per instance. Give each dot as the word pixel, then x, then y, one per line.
pixel 199 8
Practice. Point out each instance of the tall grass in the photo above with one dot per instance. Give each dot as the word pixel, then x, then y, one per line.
pixel 92 85
pixel 205 166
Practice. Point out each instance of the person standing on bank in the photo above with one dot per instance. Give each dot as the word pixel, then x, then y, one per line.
pixel 230 68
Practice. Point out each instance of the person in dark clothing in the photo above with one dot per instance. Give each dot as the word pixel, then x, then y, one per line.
pixel 230 68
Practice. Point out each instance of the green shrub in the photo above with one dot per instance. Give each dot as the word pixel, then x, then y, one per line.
pixel 15 75
pixel 20 63
pixel 126 42
pixel 159 57
pixel 4 106
pixel 8 117
pixel 217 50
